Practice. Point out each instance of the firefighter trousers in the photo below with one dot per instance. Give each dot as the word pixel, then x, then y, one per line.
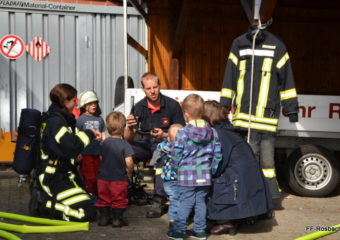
pixel 263 146
pixel 63 198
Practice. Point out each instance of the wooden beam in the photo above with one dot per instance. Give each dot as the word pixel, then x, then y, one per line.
pixel 177 33
pixel 132 42
pixel 177 39
pixel 248 7
pixel 174 73
pixel 139 9
pixel 266 10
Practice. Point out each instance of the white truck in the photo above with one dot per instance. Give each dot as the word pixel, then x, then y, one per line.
pixel 304 150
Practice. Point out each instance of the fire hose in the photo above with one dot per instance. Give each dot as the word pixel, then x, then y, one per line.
pixel 51 225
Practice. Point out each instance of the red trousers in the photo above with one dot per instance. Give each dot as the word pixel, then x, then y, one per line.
pixel 89 171
pixel 112 194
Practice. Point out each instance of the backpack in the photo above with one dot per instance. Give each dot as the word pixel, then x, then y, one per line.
pixel 27 149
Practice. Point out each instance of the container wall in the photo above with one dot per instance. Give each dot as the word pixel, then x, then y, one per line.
pixel 86 52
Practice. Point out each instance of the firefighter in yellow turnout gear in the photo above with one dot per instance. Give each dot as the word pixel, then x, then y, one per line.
pixel 258 99
pixel 58 192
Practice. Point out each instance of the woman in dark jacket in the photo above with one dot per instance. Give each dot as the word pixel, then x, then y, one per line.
pixel 239 189
pixel 59 192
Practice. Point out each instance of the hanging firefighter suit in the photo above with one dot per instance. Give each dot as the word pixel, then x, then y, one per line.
pixel 58 191
pixel 257 98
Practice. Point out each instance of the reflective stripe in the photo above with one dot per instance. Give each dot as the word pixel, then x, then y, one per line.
pixel 83 137
pixel 269 46
pixel 69 192
pixel 240 85
pixel 269 172
pixel 259 126
pixel 197 123
pixel 158 171
pixel 43 155
pixel 76 199
pixel 264 88
pixel 257 52
pixel 282 61
pixel 50 170
pixel 71 177
pixel 45 188
pixel 245 116
pixel 67 210
pixel 227 93
pixel 61 133
pixel 291 93
pixel 233 58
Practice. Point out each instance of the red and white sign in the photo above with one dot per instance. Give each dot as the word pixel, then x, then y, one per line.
pixel 12 46
pixel 38 49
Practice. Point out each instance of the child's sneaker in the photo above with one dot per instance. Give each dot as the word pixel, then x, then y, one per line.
pixel 175 235
pixel 198 235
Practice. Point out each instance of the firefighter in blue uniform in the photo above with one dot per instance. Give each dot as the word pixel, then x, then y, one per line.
pixel 60 192
pixel 147 126
pixel 273 86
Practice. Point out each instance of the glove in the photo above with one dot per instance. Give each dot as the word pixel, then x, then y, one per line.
pixel 293 117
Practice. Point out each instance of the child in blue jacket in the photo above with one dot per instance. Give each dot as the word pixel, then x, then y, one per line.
pixel 196 153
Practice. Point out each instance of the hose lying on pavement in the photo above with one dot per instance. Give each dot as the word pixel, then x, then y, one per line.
pixel 319 234
pixel 51 225
pixel 9 236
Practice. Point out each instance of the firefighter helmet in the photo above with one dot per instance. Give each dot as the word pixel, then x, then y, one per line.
pixel 87 97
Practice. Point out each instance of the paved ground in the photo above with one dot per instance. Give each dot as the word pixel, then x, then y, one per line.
pixel 289 223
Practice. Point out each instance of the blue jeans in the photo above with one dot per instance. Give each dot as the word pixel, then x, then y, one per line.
pixel 171 189
pixel 192 198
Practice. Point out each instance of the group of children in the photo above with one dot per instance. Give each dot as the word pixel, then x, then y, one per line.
pixel 191 155
pixel 106 164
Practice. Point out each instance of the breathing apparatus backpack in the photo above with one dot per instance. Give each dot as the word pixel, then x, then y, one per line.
pixel 27 149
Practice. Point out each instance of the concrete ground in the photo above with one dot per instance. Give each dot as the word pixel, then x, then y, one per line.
pixel 299 213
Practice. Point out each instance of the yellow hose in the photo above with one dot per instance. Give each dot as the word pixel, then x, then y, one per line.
pixel 8 236
pixel 51 225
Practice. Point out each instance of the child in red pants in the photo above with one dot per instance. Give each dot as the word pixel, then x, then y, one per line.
pixel 116 168
pixel 90 119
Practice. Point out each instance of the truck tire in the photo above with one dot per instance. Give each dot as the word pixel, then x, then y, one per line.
pixel 313 171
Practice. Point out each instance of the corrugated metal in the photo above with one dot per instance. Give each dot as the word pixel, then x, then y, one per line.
pixel 87 52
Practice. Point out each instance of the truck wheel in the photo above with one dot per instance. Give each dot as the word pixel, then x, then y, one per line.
pixel 313 171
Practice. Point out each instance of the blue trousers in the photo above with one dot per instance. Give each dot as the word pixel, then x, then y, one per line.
pixel 192 198
pixel 171 189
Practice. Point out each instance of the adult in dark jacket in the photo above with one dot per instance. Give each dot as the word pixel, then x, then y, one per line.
pixel 58 192
pixel 239 188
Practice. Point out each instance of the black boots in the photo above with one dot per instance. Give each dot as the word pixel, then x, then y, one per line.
pixel 112 216
pixel 157 208
pixel 118 220
pixel 104 216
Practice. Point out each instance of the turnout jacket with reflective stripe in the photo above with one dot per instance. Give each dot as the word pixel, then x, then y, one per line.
pixel 60 139
pixel 273 82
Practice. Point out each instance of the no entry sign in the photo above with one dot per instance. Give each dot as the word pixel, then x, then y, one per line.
pixel 12 46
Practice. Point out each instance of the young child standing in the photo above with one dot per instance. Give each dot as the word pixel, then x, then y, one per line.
pixel 116 168
pixel 196 152
pixel 169 173
pixel 90 119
